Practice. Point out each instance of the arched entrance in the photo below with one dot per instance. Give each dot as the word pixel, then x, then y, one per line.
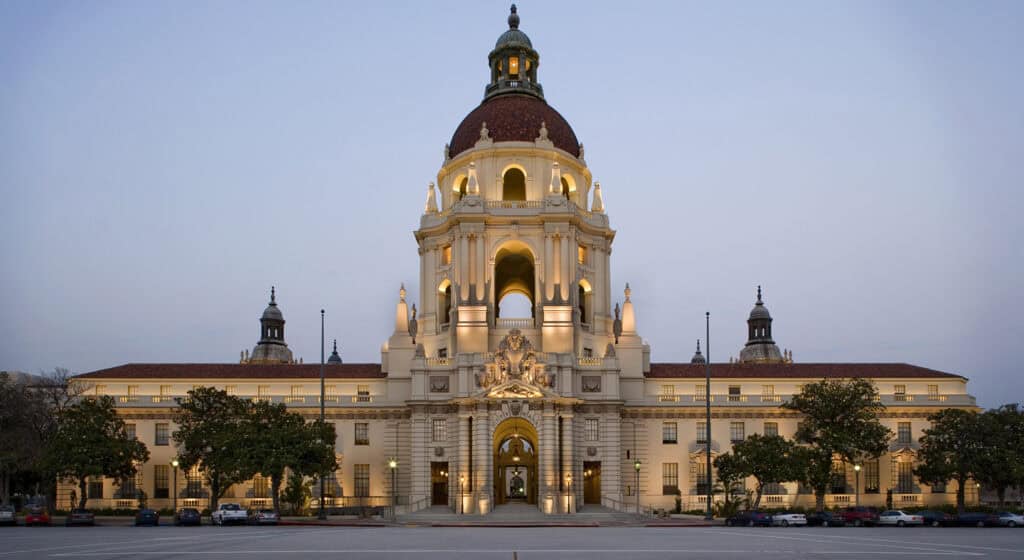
pixel 515 462
pixel 514 274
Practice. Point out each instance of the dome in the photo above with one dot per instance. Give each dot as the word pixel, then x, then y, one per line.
pixel 759 311
pixel 272 312
pixel 514 118
pixel 335 357
pixel 513 37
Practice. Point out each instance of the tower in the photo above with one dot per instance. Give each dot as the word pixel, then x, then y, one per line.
pixel 760 347
pixel 271 349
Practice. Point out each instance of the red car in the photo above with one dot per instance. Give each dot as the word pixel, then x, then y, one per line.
pixel 859 516
pixel 36 515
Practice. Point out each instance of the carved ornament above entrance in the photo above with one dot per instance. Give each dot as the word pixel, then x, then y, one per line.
pixel 515 371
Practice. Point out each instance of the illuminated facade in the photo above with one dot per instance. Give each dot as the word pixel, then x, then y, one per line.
pixel 551 407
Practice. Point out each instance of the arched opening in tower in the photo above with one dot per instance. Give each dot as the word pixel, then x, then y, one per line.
pixel 513 185
pixel 514 277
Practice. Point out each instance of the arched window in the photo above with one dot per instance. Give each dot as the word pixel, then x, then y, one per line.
pixel 514 185
pixel 461 191
pixel 583 295
pixel 514 275
pixel 565 187
pixel 444 302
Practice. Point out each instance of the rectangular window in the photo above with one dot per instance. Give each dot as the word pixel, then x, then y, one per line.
pixel 439 429
pixel 899 392
pixel 768 393
pixel 194 483
pixel 588 352
pixel 669 432
pixel 702 432
pixel 95 488
pixel 699 475
pixel 581 254
pixel 165 394
pixel 734 393
pixel 296 394
pixel 939 488
pixel 871 484
pixel 838 485
pixel 162 434
pixel 362 480
pixel 669 479
pixel 100 390
pixel 668 394
pixel 771 428
pixel 933 392
pixel 591 428
pixel 161 481
pixel 513 66
pixel 362 393
pixel 699 392
pixel 903 433
pixel 130 430
pixel 446 255
pixel 442 353
pixel 231 389
pixel 263 392
pixel 132 394
pixel 362 433
pixel 331 393
pixel 905 477
pixel 737 432
pixel 261 487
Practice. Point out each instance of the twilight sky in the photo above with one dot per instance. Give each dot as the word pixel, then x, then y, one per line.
pixel 163 163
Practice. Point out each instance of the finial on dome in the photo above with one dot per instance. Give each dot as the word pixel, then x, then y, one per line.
pixel 401 293
pixel 698 358
pixel 335 357
pixel 273 301
pixel 513 18
pixel 759 295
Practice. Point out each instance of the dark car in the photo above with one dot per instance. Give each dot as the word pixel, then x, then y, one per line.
pixel 977 520
pixel 749 519
pixel 80 517
pixel 147 517
pixel 7 516
pixel 36 515
pixel 859 516
pixel 263 517
pixel 825 519
pixel 937 518
pixel 188 516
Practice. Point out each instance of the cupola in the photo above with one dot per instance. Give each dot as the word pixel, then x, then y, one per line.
pixel 513 63
pixel 760 347
pixel 271 349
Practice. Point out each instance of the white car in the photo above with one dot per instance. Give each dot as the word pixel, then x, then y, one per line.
pixel 786 519
pixel 899 518
pixel 1009 519
pixel 227 514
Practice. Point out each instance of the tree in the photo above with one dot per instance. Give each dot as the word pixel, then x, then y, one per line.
pixel 730 475
pixel 766 458
pixel 212 434
pixel 840 418
pixel 297 492
pixel 1001 464
pixel 952 448
pixel 814 467
pixel 281 440
pixel 91 440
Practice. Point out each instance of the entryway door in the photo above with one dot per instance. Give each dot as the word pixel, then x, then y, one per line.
pixel 592 482
pixel 439 484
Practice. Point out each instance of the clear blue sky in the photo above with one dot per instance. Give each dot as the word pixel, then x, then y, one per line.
pixel 163 163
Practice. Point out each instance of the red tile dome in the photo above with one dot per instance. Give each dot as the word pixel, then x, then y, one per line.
pixel 514 118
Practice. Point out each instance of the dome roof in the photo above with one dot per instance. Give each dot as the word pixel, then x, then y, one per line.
pixel 272 312
pixel 514 118
pixel 759 311
pixel 513 37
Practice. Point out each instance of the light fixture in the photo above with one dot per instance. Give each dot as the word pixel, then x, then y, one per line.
pixel 393 463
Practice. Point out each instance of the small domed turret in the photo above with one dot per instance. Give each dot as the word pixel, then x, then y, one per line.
pixel 698 358
pixel 271 349
pixel 760 347
pixel 335 357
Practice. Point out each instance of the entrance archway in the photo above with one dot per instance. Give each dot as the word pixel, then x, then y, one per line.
pixel 515 462
pixel 514 274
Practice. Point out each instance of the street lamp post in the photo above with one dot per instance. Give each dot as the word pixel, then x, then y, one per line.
pixel 636 467
pixel 393 465
pixel 856 487
pixel 462 504
pixel 568 498
pixel 707 410
pixel 322 515
pixel 175 463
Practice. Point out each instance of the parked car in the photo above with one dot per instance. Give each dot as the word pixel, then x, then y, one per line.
pixel 188 516
pixel 825 519
pixel 79 517
pixel 263 517
pixel 937 518
pixel 147 517
pixel 36 515
pixel 978 520
pixel 859 516
pixel 1010 519
pixel 229 513
pixel 899 518
pixel 7 516
pixel 786 518
pixel 749 519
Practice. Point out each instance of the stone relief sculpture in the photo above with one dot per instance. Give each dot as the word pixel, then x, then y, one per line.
pixel 515 371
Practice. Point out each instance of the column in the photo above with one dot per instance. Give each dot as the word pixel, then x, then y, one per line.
pixel 481 268
pixel 463 266
pixel 481 460
pixel 463 466
pixel 567 274
pixel 420 467
pixel 568 460
pixel 549 488
pixel 549 271
pixel 611 469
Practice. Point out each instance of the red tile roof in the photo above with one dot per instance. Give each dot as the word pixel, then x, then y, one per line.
pixel 796 371
pixel 236 371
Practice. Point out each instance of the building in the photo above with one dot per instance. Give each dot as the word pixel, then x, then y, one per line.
pixel 553 407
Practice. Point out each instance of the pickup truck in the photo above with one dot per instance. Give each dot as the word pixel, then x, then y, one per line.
pixel 227 514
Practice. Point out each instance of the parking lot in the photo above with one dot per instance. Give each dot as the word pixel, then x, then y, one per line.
pixel 620 543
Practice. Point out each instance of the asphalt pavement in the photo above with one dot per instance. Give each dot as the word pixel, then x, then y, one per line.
pixel 423 543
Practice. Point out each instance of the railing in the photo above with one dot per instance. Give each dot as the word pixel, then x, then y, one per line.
pixel 589 361
pixel 771 398
pixel 127 398
pixel 162 398
pixel 908 498
pixel 295 399
pixel 840 498
pixel 774 499
pixel 516 323
pixel 938 398
pixel 514 204
pixel 362 399
pixel 668 398
pixel 442 362
pixel 902 397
